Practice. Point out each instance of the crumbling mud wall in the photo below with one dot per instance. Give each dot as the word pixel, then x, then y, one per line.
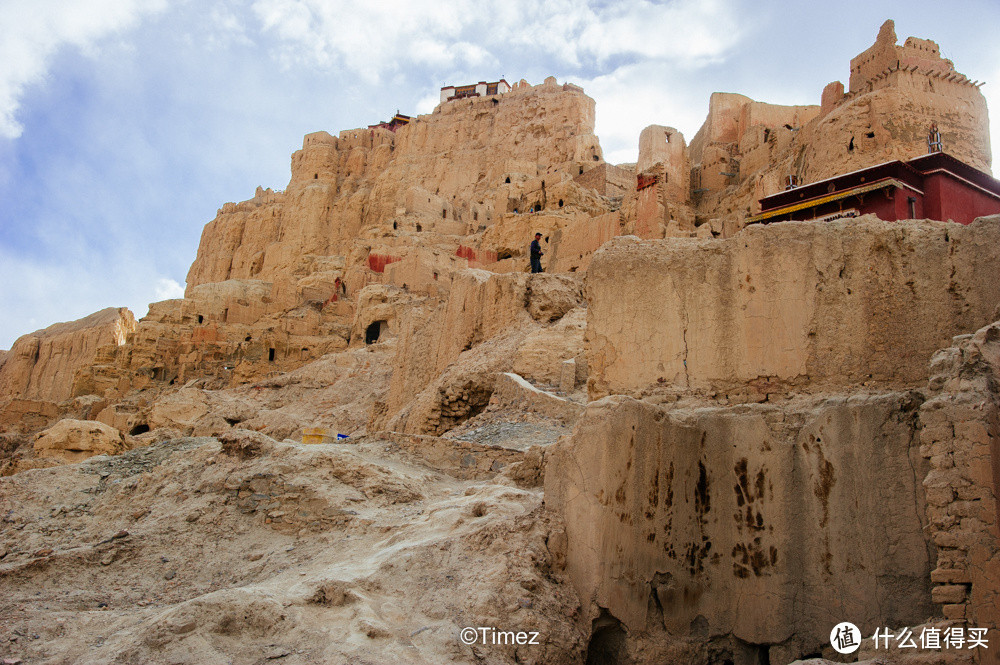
pixel 766 523
pixel 791 305
pixel 960 439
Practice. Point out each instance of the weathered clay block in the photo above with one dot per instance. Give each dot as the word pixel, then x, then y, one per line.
pixel 76 440
pixel 758 521
pixel 793 304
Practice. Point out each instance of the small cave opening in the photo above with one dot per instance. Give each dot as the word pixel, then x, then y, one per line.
pixel 315 176
pixel 751 654
pixel 607 641
pixel 560 203
pixel 850 146
pixel 375 330
pixel 596 158
pixel 419 228
pixel 201 319
pixel 870 135
pixel 507 181
pixel 395 225
pixel 141 428
pixel 270 355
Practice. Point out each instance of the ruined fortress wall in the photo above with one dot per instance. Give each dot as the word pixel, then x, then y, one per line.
pixel 885 54
pixel 892 122
pixel 808 305
pixel 770 523
pixel 959 438
pixel 607 180
pixel 573 246
pixel 341 185
pixel 42 365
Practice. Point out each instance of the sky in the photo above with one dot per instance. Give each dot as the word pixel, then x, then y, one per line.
pixel 126 124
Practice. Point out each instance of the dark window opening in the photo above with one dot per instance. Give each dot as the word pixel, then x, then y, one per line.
pixel 374 331
pixel 507 181
pixel 270 355
pixel 395 225
pixel 444 214
pixel 560 203
pixel 315 176
pixel 139 429
pixel 419 228
pixel 913 206
pixel 581 170
pixel 201 318
pixel 870 135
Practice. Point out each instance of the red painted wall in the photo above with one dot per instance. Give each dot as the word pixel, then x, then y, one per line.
pixel 950 198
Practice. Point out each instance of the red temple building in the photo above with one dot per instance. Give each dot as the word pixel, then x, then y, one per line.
pixel 932 186
pixel 397 121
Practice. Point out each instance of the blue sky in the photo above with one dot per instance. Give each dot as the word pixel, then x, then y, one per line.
pixel 125 124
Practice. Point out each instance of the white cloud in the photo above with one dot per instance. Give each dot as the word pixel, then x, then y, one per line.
pixel 32 31
pixel 635 96
pixel 686 31
pixel 67 288
pixel 168 289
pixel 372 39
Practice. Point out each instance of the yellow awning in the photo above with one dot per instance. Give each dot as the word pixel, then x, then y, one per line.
pixel 854 191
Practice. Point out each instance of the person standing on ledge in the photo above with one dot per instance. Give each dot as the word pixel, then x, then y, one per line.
pixel 536 254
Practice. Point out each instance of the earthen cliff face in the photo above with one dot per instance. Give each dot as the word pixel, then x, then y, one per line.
pixel 687 441
pixel 43 365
